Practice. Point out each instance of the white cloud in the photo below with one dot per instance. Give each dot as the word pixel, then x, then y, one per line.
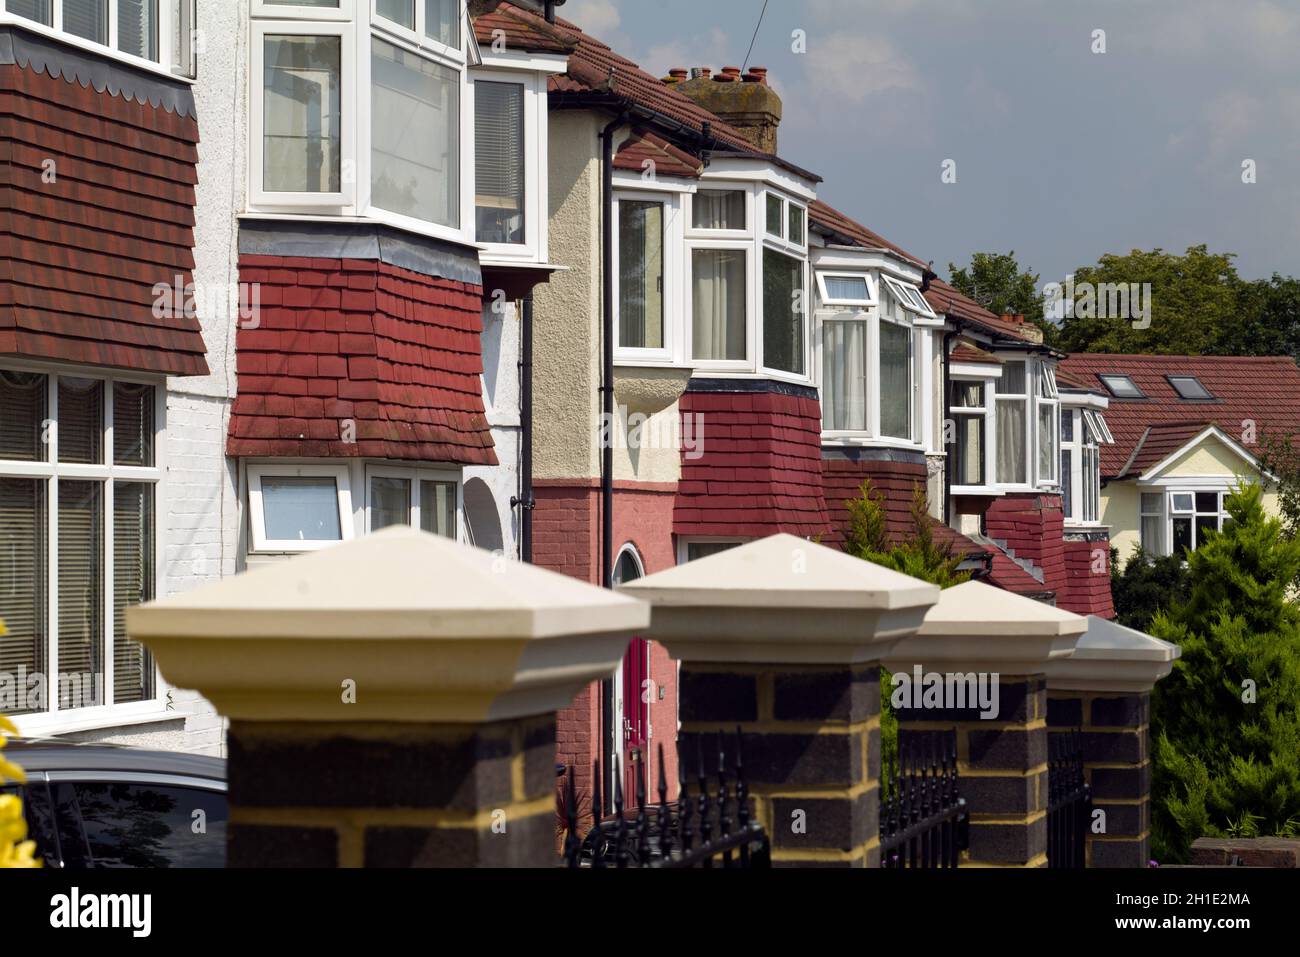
pixel 600 18
pixel 855 67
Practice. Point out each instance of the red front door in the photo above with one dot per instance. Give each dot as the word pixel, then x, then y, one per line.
pixel 637 693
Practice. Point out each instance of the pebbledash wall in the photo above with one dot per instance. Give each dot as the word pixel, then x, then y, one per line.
pixel 202 523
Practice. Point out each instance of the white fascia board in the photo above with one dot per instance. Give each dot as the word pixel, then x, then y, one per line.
pixel 974 370
pixel 1084 400
pixel 1153 474
pixel 626 179
pixel 752 170
pixel 535 62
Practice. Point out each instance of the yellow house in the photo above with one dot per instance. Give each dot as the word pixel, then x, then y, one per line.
pixel 1187 430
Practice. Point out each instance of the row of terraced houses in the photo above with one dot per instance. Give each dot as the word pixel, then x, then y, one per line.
pixel 274 275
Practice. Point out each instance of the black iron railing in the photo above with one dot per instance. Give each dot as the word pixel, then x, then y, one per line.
pixel 708 829
pixel 923 822
pixel 1069 801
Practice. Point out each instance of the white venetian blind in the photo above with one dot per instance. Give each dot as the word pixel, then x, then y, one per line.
pixel 80 595
pixel 133 578
pixel 87 19
pixel 499 160
pixel 22 583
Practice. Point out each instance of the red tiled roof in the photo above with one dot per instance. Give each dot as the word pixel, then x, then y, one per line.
pixel 761 469
pixel 965 352
pixel 359 344
pixel 1262 392
pixel 643 146
pixel 527 34
pixel 1069 380
pixel 948 301
pixel 1159 442
pixel 833 221
pixel 81 252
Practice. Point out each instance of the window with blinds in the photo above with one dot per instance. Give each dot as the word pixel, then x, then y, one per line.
pixel 78 540
pixel 499 161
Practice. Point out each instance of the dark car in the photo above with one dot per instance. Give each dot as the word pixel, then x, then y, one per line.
pixel 96 805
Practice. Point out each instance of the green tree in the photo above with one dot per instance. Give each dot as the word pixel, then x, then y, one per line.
pixel 1193 303
pixel 867 537
pixel 998 283
pixel 1226 722
pixel 1148 584
pixel 1268 319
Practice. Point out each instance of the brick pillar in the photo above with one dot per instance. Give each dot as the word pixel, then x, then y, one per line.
pixel 811 738
pixel 1104 689
pixel 1003 770
pixel 782 637
pixel 978 637
pixel 381 717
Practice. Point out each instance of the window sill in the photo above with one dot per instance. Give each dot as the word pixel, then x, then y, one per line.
pixel 45 725
pixel 834 439
pixel 980 491
pixel 98 49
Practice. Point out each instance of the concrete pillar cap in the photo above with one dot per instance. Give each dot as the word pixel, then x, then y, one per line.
pixel 782 600
pixel 976 627
pixel 425 629
pixel 1112 657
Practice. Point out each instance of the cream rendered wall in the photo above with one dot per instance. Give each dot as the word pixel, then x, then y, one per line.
pixel 566 311
pixel 1210 458
pixel 1119 511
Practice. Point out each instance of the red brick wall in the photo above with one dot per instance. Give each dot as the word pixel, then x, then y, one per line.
pixel 358 344
pixel 1087 576
pixel 761 470
pixel 82 250
pixel 1033 526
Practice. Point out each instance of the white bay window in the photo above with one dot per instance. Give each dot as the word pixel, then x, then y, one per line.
pixel 969 408
pixel 1081 440
pixel 1013 424
pixel 154 34
pixel 79 484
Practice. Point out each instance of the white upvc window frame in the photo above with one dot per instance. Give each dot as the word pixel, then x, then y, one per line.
pixel 989 410
pixel 414 476
pixel 873 288
pixel 346 197
pixel 55 719
pixel 716 186
pixel 535 149
pixel 167 63
pixel 909 297
pixel 417 37
pixel 685 541
pixel 1046 399
pixel 291 11
pixel 257 471
pixel 781 240
pixel 1170 489
pixel 801 309
pixel 752 305
pixel 1084 479
pixel 676 264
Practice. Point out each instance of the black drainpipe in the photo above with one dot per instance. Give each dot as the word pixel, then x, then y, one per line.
pixel 526 502
pixel 947 417
pixel 607 351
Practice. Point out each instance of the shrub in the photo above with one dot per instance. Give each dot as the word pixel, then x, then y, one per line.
pixel 1148 584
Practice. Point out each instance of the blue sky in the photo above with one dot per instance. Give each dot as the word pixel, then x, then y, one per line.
pixel 1062 154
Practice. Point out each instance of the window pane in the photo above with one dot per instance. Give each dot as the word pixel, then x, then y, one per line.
pixel 301 114
pixel 415 139
pixel 399 11
pixel 390 502
pixel 442 21
pixel 132 424
pixel 1067 483
pixel 1011 443
pixel 81 421
pixel 718 209
pixel 1047 442
pixel 796 225
pixel 39 10
pixel 139 825
pixel 1067 425
pixel 22 416
pixel 967 395
pixel 847 287
pixel 81 595
pixel 137 28
pixel 1182 535
pixel 1207 502
pixel 844 386
pixel 640 275
pixel 718 297
pixel 1182 501
pixel 783 312
pixel 1153 535
pixel 1205 523
pixel 87 19
pixel 1013 379
pixel 970 450
pixel 499 161
pixel 438 508
pixel 301 509
pixel 895 380
pixel 133 584
pixel 1153 503
pixel 775 215
pixel 23 544
pixel 697 550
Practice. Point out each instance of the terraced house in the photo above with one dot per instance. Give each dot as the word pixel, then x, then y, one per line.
pixel 464 268
pixel 243 316
pixel 725 356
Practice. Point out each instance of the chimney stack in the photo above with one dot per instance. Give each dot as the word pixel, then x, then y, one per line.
pixel 744 100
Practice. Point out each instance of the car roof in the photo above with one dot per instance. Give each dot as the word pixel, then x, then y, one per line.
pixel 52 754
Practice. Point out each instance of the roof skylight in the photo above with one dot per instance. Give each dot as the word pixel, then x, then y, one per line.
pixel 1121 387
pixel 1189 387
